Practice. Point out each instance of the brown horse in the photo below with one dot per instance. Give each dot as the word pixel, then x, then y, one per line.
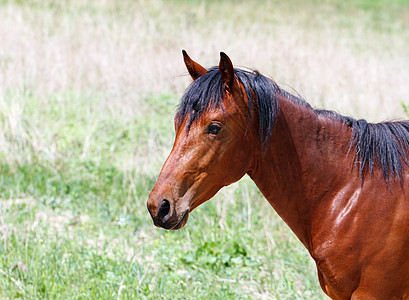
pixel 340 184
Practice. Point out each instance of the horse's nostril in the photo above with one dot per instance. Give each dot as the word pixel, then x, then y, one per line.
pixel 164 209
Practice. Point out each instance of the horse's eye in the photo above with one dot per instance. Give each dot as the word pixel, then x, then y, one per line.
pixel 213 129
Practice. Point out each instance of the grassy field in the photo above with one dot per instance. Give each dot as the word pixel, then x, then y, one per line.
pixel 88 90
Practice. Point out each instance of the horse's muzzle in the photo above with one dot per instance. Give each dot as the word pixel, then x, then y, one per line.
pixel 165 215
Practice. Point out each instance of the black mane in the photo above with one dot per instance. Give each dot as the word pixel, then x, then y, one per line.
pixel 384 144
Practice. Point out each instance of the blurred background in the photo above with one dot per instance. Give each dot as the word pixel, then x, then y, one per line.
pixel 88 91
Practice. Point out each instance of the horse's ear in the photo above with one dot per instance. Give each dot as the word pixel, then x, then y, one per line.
pixel 195 70
pixel 226 70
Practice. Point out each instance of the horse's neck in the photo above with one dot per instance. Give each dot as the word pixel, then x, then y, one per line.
pixel 308 155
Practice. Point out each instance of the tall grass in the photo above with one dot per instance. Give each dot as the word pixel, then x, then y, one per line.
pixel 88 90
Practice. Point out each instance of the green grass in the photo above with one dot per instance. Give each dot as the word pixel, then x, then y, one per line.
pixel 76 226
pixel 88 91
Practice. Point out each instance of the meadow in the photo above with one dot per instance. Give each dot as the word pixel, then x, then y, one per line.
pixel 88 92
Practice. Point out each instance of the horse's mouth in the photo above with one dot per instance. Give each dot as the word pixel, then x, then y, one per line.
pixel 182 221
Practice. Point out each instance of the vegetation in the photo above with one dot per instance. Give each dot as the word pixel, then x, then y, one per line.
pixel 88 90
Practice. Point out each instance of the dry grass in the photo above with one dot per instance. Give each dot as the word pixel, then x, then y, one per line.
pixel 348 62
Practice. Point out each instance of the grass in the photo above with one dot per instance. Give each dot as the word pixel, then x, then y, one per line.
pixel 88 90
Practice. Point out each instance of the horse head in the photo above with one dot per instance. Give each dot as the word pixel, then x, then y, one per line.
pixel 212 144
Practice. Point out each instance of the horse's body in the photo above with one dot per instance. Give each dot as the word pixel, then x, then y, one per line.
pixel 340 184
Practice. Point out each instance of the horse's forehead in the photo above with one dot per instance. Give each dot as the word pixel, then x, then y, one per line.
pixel 216 112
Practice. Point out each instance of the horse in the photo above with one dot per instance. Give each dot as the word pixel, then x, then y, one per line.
pixel 339 183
